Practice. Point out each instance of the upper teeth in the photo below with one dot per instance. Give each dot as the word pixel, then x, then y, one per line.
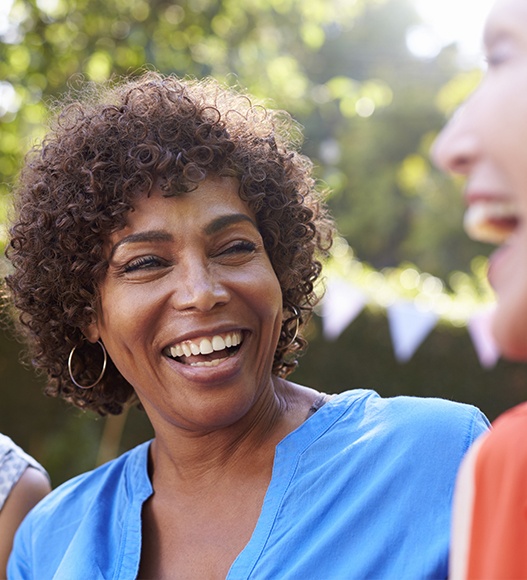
pixel 490 220
pixel 206 345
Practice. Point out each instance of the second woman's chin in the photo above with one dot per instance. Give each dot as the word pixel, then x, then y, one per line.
pixel 508 276
pixel 509 327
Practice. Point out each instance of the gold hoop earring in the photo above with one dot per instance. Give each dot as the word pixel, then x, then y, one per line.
pixel 105 358
pixel 297 328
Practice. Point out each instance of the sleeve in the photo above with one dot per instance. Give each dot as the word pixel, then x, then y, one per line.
pixel 490 510
pixel 13 462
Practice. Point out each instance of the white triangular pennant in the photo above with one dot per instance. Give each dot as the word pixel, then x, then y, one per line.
pixel 480 330
pixel 342 303
pixel 409 326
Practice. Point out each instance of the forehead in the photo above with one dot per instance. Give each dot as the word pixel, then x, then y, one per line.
pixel 196 208
pixel 507 17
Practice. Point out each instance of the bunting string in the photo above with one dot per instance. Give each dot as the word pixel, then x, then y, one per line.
pixel 414 302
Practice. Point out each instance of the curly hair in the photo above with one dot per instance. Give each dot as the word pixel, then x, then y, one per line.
pixel 106 147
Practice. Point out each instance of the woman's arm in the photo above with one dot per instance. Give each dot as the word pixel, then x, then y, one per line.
pixel 32 486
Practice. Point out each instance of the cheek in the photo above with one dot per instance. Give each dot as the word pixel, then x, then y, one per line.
pixel 505 123
pixel 122 318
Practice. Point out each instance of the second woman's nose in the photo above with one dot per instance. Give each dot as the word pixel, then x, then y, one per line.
pixel 455 149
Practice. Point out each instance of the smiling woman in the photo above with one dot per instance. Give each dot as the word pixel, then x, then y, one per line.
pixel 165 247
pixel 485 142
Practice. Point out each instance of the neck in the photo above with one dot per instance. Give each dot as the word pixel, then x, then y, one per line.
pixel 203 457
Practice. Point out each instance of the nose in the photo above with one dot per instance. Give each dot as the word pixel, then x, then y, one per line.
pixel 198 286
pixel 455 150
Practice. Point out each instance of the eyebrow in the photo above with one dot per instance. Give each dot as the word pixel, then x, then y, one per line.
pixel 150 236
pixel 213 227
pixel 225 221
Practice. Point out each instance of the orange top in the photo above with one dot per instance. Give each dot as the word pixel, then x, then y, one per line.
pixel 489 539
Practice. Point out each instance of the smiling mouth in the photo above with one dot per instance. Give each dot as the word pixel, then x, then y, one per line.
pixel 490 220
pixel 206 351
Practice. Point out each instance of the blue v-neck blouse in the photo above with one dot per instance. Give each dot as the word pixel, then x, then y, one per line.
pixel 362 489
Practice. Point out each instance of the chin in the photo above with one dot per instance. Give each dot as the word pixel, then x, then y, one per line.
pixel 512 343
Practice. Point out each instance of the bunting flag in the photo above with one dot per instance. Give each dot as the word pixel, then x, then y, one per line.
pixel 342 303
pixel 480 330
pixel 409 326
pixel 409 323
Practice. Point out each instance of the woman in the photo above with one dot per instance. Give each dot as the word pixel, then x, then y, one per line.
pixel 165 249
pixel 486 143
pixel 23 483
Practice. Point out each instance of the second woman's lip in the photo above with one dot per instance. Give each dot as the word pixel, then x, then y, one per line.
pixel 490 217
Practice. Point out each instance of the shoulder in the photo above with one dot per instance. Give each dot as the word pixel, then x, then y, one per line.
pixel 32 486
pixel 504 450
pixel 74 498
pixel 14 463
pixel 83 521
pixel 413 410
pixel 431 420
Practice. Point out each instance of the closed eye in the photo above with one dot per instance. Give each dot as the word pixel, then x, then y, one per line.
pixel 144 263
pixel 242 246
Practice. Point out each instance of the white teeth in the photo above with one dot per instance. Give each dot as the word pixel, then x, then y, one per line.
pixel 218 343
pixel 207 363
pixel 491 221
pixel 206 346
pixel 176 351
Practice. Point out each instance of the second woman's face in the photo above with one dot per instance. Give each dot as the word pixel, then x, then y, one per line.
pixel 487 142
pixel 191 308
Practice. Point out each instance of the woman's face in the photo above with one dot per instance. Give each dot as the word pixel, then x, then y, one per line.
pixel 487 142
pixel 191 308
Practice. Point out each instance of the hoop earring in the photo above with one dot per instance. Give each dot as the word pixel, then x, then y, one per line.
pixel 297 318
pixel 105 358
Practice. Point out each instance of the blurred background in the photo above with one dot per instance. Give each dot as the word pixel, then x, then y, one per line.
pixel 372 82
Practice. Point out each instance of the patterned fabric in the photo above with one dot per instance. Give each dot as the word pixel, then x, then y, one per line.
pixel 13 462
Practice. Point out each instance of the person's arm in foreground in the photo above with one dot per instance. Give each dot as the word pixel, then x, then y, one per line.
pixel 32 486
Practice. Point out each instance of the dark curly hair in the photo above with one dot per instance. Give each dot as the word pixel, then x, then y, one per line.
pixel 77 187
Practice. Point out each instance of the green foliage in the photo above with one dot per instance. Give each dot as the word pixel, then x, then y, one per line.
pixel 370 110
pixel 369 107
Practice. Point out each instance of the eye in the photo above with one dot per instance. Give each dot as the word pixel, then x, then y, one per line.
pixel 240 247
pixel 144 263
pixel 499 53
pixel 235 253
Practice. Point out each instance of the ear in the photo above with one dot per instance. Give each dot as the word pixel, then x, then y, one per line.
pixel 91 332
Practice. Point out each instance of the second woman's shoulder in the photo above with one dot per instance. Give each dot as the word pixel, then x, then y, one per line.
pixel 504 451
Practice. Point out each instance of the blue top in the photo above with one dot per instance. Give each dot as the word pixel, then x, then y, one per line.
pixel 362 489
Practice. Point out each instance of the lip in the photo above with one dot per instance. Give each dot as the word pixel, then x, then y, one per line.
pixel 226 370
pixel 474 196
